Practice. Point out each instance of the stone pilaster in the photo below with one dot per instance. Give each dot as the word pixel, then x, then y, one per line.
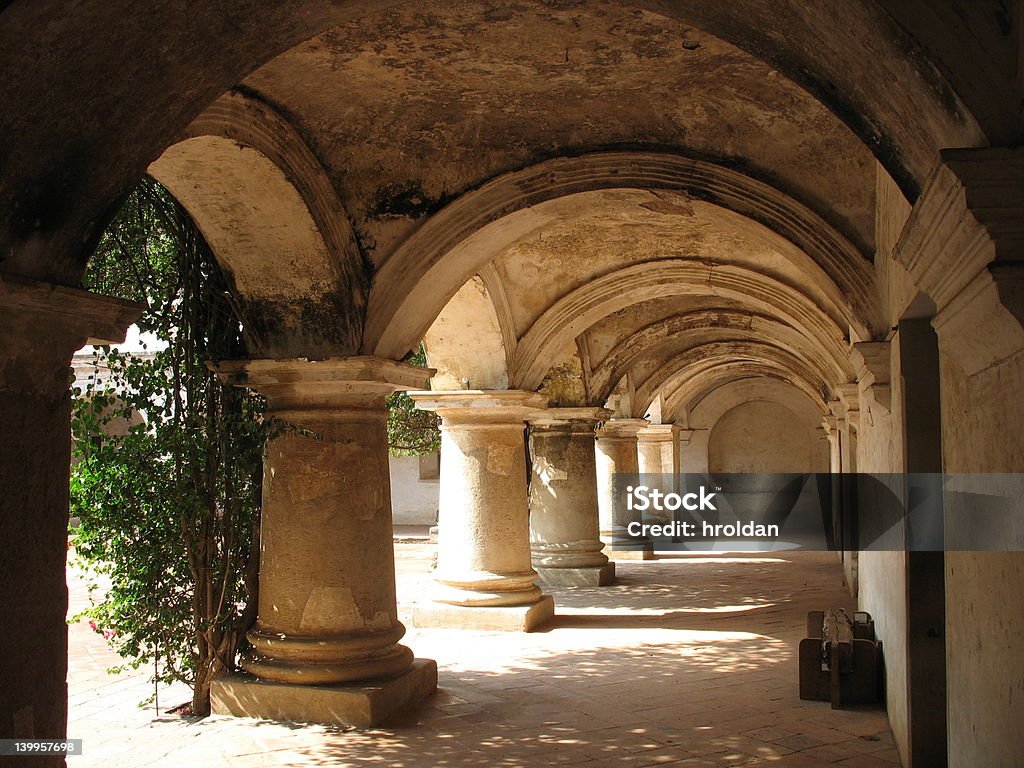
pixel 328 617
pixel 617 454
pixel 41 326
pixel 564 537
pixel 484 577
pixel 847 417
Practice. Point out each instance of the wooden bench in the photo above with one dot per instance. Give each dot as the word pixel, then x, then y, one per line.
pixel 840 660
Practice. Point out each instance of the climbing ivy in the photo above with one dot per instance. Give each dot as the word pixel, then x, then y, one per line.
pixel 168 503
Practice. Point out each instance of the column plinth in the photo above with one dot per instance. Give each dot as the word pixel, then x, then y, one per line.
pixel 483 549
pixel 564 533
pixel 328 614
pixel 616 455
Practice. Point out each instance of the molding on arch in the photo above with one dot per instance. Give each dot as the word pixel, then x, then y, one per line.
pixel 253 122
pixel 499 300
pixel 703 412
pixel 658 335
pixel 417 279
pixel 702 363
pixel 575 312
pixel 687 397
pixel 335 309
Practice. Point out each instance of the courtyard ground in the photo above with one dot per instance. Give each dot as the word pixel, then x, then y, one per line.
pixel 687 661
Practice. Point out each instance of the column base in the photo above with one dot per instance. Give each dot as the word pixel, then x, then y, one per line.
pixel 503 618
pixel 361 705
pixel 597 576
pixel 630 554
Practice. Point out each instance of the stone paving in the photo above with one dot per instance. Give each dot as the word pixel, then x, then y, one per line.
pixel 687 661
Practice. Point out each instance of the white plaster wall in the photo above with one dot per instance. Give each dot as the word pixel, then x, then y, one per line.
pixel 760 436
pixel 804 418
pixel 693 452
pixel 413 501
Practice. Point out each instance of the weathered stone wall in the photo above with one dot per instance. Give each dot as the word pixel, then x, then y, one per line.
pixel 984 594
pixel 759 436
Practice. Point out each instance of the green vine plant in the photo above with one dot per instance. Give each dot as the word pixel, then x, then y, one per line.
pixel 168 460
pixel 166 480
pixel 412 432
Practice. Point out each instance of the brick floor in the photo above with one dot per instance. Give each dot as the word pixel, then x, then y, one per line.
pixel 687 661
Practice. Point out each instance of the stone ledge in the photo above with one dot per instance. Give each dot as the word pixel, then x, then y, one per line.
pixel 362 705
pixel 576 577
pixel 504 618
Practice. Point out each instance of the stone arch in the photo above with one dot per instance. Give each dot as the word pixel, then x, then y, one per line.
pixel 466 344
pixel 708 325
pixel 431 264
pixel 702 367
pixel 920 110
pixel 669 277
pixel 275 223
pixel 681 398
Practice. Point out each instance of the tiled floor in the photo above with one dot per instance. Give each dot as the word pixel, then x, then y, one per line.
pixel 687 661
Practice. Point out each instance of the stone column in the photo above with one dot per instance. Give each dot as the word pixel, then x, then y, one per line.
pixel 41 326
pixel 328 618
pixel 484 579
pixel 564 536
pixel 658 450
pixel 617 454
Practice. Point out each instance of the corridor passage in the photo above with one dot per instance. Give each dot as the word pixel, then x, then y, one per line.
pixel 687 661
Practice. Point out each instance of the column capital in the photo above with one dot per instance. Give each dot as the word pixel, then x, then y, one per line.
pixel 344 382
pixel 41 326
pixel 963 246
pixel 554 418
pixel 656 433
pixel 623 428
pixel 90 316
pixel 872 361
pixel 484 406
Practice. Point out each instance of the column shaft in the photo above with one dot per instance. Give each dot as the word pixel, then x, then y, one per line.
pixel 41 326
pixel 564 529
pixel 483 554
pixel 327 607
pixel 617 455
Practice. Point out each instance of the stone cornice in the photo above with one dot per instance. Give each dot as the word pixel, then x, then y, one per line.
pixel 659 433
pixel 873 363
pixel 849 404
pixel 970 213
pixel 586 417
pixel 621 428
